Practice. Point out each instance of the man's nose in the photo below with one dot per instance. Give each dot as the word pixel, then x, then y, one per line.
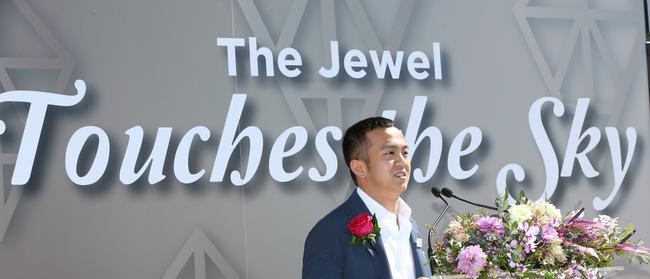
pixel 401 159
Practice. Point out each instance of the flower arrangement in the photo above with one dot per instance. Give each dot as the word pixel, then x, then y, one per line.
pixel 532 239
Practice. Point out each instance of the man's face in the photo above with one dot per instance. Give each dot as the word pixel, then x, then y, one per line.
pixel 389 167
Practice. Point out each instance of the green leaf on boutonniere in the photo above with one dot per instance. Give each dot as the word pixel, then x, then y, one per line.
pixel 375 224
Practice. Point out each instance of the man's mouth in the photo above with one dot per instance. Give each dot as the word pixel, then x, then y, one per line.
pixel 400 174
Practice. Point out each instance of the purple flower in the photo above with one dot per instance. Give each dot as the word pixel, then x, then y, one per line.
pixel 518 266
pixel 521 267
pixel 530 235
pixel 530 246
pixel 530 232
pixel 549 234
pixel 513 244
pixel 450 258
pixel 471 260
pixel 491 227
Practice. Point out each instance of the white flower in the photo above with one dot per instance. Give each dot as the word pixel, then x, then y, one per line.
pixel 554 212
pixel 609 222
pixel 557 252
pixel 520 213
pixel 543 208
pixel 457 231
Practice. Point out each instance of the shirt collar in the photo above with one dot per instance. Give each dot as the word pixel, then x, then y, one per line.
pixel 403 210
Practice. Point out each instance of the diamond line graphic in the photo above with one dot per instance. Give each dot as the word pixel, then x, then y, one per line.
pixel 62 62
pixel 198 246
pixel 7 204
pixel 584 29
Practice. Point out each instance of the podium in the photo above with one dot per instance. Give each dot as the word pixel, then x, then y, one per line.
pixel 605 272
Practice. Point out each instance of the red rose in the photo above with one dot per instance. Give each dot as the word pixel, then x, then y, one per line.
pixel 361 226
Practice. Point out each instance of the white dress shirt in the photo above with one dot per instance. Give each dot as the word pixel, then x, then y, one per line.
pixel 396 239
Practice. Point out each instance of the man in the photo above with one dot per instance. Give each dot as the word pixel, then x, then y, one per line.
pixel 376 154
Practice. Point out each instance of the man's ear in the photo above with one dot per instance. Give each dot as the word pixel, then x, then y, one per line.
pixel 359 168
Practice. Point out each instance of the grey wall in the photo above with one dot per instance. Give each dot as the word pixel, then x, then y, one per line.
pixel 156 64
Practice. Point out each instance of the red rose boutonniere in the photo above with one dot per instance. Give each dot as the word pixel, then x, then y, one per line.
pixel 364 228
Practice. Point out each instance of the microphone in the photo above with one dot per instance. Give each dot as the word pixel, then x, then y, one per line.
pixel 432 264
pixel 450 194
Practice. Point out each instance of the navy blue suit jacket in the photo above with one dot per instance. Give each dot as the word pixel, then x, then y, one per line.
pixel 329 252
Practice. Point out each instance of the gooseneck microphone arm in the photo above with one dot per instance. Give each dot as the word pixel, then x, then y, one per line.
pixel 450 194
pixel 432 263
pixel 443 211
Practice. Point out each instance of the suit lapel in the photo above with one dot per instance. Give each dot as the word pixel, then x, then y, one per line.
pixel 380 260
pixel 419 257
pixel 355 206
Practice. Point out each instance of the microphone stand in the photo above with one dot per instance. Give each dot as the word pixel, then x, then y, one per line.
pixel 432 262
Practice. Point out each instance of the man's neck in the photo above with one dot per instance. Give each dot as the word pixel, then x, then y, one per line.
pixel 388 201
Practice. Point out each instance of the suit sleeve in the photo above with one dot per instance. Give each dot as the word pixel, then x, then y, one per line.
pixel 323 256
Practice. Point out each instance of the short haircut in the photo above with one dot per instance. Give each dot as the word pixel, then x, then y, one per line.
pixel 355 141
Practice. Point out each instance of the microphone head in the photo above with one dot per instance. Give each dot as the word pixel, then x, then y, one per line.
pixel 435 191
pixel 447 192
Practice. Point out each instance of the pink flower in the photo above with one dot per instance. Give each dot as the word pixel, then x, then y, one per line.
pixel 581 223
pixel 361 226
pixel 592 274
pixel 631 248
pixel 471 260
pixel 584 250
